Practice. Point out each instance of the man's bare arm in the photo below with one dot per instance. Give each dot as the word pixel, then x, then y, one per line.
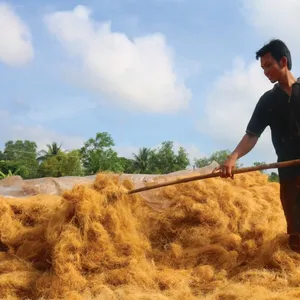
pixel 246 144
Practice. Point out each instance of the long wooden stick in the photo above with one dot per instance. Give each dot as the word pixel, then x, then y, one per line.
pixel 283 164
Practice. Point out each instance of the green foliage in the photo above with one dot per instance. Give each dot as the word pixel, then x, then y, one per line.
pixel 182 159
pixel 98 155
pixel 21 155
pixel 141 162
pixel 127 165
pixel 218 156
pixel 10 173
pixel 7 166
pixel 273 177
pixel 162 160
pixel 62 164
pixel 53 150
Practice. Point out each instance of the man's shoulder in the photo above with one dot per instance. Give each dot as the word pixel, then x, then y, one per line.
pixel 269 93
pixel 268 96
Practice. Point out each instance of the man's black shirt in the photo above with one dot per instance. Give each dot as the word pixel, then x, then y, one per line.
pixel 282 113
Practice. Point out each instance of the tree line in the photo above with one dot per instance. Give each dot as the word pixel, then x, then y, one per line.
pixel 97 154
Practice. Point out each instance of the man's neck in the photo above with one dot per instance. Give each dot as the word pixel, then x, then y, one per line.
pixel 287 81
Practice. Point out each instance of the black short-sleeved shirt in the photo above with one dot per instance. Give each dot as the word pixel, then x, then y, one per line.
pixel 282 113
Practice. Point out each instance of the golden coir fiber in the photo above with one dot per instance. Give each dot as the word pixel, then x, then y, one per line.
pixel 219 239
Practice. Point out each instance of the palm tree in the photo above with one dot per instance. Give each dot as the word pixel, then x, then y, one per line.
pixel 141 160
pixel 53 150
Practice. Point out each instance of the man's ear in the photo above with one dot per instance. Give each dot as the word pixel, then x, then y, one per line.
pixel 283 62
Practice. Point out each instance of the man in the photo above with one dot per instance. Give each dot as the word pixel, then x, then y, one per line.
pixel 278 108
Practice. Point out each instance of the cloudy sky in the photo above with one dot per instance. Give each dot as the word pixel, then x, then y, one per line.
pixel 146 71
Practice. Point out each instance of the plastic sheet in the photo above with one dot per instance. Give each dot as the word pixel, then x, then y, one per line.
pixel 15 186
pixel 156 198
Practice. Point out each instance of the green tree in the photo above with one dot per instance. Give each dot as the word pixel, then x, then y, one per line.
pixel 53 149
pixel 8 174
pixel 141 160
pixel 127 165
pixel 62 164
pixel 273 177
pixel 98 155
pixel 164 160
pixel 182 159
pixel 23 154
pixel 218 156
pixel 8 166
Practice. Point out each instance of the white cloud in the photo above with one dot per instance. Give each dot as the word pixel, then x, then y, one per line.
pixel 230 104
pixel 15 38
pixel 39 134
pixel 136 73
pixel 275 19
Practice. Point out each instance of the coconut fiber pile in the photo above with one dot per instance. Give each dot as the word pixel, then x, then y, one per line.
pixel 219 239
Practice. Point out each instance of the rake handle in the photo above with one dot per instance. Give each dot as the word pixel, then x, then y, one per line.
pixel 283 164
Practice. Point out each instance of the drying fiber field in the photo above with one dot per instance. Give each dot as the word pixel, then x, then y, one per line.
pixel 217 239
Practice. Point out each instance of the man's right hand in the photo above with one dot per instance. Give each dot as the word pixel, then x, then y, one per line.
pixel 228 166
pixel 245 145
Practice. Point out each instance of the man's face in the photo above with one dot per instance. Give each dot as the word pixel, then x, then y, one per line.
pixel 272 69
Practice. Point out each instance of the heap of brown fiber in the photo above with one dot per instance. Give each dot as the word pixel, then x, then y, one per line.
pixel 220 239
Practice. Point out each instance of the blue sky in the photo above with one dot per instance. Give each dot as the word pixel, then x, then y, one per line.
pixel 144 71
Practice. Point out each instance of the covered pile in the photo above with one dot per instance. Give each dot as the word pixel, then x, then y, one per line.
pixel 219 239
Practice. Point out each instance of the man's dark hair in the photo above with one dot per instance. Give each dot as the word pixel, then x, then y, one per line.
pixel 278 49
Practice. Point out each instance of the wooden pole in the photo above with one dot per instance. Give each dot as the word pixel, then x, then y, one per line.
pixel 283 164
